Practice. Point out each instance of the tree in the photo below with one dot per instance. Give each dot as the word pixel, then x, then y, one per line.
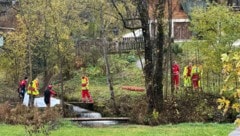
pixel 153 69
pixel 44 39
pixel 49 33
pixel 13 61
pixel 214 30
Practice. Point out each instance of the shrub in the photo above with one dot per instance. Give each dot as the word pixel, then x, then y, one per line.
pixel 34 119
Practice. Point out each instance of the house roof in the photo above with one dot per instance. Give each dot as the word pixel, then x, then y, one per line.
pixel 180 8
pixel 188 5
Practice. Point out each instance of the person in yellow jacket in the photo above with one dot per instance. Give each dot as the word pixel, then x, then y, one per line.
pixel 86 97
pixel 187 76
pixel 33 91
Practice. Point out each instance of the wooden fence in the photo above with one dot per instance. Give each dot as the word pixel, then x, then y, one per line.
pixel 126 45
pixel 122 46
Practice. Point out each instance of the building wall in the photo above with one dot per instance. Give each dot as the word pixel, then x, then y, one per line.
pixel 180 21
pixel 7 16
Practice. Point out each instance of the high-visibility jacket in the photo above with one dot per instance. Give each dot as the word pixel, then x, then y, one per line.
pixel 33 88
pixel 196 72
pixel 187 76
pixel 85 83
pixel 187 71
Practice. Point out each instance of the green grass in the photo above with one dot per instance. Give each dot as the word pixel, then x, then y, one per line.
pixel 99 88
pixel 11 130
pixel 185 129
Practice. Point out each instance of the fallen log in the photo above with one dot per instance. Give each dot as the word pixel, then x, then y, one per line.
pixel 133 88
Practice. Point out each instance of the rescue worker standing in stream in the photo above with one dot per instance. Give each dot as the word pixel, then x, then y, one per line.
pixel 86 97
pixel 33 91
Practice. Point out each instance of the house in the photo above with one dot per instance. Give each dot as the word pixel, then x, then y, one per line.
pixel 180 13
pixel 7 15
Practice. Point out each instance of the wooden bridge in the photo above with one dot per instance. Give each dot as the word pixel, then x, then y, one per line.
pixel 123 119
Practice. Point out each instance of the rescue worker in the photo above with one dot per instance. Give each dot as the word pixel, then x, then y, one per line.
pixel 86 97
pixel 196 76
pixel 33 91
pixel 175 74
pixel 48 93
pixel 187 81
pixel 22 88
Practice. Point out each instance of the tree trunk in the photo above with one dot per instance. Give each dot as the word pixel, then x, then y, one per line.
pixel 109 81
pixel 153 73
pixel 158 62
pixel 29 58
pixel 143 12
pixel 104 42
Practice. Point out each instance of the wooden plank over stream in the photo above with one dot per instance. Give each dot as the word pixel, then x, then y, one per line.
pixel 99 119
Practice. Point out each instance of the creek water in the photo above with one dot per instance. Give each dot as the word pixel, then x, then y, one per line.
pixel 84 113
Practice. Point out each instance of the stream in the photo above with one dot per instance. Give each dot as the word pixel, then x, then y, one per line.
pixel 84 113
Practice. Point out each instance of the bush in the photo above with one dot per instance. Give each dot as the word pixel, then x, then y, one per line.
pixel 195 107
pixel 131 59
pixel 34 119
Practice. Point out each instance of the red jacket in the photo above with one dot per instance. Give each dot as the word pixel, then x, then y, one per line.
pixel 53 93
pixel 175 69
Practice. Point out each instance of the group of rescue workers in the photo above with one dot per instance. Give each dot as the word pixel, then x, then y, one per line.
pixel 32 89
pixel 191 76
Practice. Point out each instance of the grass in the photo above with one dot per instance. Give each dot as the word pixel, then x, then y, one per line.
pixel 185 129
pixel 99 88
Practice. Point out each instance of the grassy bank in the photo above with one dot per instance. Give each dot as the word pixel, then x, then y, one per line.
pixel 185 129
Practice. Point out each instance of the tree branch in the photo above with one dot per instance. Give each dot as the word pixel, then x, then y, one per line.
pixel 123 19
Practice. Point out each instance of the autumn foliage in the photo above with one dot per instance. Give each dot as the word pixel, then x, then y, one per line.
pixel 230 91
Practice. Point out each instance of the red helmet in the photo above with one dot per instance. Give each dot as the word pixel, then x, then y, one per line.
pixel 49 86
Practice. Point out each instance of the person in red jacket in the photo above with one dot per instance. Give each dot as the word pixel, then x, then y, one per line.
pixel 22 88
pixel 48 93
pixel 175 75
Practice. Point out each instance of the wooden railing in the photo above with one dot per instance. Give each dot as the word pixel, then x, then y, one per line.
pixel 126 45
pixel 122 46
